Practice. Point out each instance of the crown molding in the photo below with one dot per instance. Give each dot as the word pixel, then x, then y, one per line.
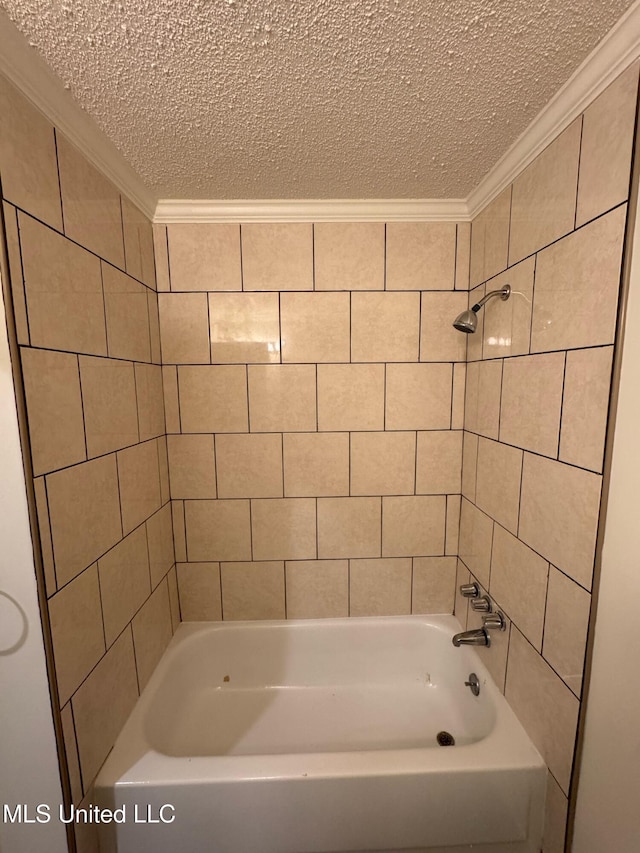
pixel 611 56
pixel 314 210
pixel 26 69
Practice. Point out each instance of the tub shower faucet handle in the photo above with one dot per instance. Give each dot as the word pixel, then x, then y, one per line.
pixel 469 590
pixel 495 620
pixel 481 605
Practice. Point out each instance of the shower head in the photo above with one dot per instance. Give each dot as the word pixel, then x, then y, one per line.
pixel 468 321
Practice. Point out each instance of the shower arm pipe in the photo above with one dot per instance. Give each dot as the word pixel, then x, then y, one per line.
pixel 503 293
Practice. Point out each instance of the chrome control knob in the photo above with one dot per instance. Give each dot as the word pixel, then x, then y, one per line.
pixel 496 621
pixel 481 605
pixel 469 590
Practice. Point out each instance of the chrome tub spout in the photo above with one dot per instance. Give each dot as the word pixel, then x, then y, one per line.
pixel 478 637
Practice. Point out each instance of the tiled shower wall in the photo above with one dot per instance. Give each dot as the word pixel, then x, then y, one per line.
pixel 314 392
pixel 538 384
pixel 85 307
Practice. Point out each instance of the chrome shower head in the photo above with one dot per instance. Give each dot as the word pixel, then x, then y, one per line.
pixel 468 321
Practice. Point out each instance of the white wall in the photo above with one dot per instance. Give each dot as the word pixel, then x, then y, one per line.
pixel 608 806
pixel 28 760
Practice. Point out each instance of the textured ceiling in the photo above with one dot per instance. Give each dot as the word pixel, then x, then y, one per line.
pixel 249 99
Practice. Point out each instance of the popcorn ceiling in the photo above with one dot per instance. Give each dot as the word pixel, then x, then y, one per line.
pixel 233 99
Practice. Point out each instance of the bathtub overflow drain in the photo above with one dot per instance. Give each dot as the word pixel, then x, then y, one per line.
pixel 445 739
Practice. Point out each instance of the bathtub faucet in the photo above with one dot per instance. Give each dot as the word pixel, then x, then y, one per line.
pixel 478 637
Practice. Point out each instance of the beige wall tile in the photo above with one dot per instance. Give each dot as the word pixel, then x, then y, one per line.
pixel 585 407
pixel 127 313
pixel 282 398
pixel 63 287
pixel 476 537
pixel 439 341
pixel 452 529
pixel 277 256
pixel 380 587
pixel 507 325
pixel 555 818
pixel 184 328
pixel 150 400
pixel 413 526
pixel 463 251
pixel 434 584
pixel 349 527
pixel 565 628
pixel 385 326
pixel 86 834
pixel 317 589
pixel 217 530
pixel 439 462
pixel 161 254
pixel 545 706
pixel 418 396
pixel 28 157
pixel 249 466
pixel 519 583
pixel 284 529
pixel 476 261
pixel 44 529
pixel 204 256
pixel 421 255
pixel 498 482
pixel 577 284
pixel 110 407
pixel 15 272
pixel 200 595
pixel 76 631
pixel 457 401
pixel 179 531
pixel 544 196
pixel 192 468
pixel 559 514
pixel 160 544
pixel 54 407
pixel 316 464
pixel 170 395
pixel 482 397
pixel 71 752
pixel 103 703
pixel 85 514
pixel 532 401
pixel 469 465
pixel 139 478
pixel 90 205
pixel 315 327
pixel 607 142
pixel 349 255
pixel 163 469
pixel 125 582
pixel 154 326
pixel 245 327
pixel 151 633
pixel 461 605
pixel 174 599
pixel 383 463
pixel 496 234
pixel 351 396
pixel 213 398
pixel 253 590
pixel 138 244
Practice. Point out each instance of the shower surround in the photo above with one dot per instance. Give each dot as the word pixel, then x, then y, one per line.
pixel 314 395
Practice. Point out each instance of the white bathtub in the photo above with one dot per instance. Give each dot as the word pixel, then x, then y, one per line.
pixel 301 736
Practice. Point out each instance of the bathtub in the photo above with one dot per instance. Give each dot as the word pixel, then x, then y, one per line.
pixel 313 736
